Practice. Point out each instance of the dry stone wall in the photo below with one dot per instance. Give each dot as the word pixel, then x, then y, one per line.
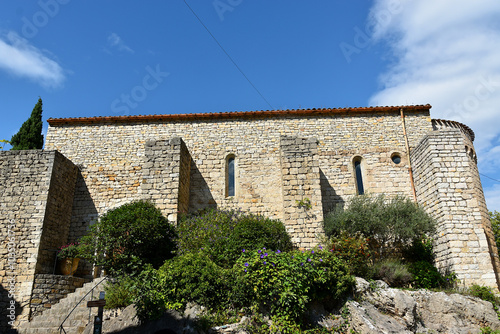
pixel 449 188
pixel 36 190
pixel 49 289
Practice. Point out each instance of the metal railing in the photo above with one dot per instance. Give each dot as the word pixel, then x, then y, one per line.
pixel 61 328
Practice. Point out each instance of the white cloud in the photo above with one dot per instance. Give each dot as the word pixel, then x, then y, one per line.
pixel 20 58
pixel 115 41
pixel 446 53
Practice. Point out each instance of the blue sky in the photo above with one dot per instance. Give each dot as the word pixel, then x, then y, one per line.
pixel 101 58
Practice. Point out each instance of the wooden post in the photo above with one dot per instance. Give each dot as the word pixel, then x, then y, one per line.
pixel 98 318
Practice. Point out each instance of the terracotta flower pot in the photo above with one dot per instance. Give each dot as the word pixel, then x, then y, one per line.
pixel 68 266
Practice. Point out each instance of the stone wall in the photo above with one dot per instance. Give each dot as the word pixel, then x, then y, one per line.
pixel 62 173
pixel 111 158
pixel 35 189
pixel 448 187
pixel 302 203
pixel 49 289
pixel 166 175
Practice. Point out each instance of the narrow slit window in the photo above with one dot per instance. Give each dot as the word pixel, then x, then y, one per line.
pixel 359 177
pixel 230 176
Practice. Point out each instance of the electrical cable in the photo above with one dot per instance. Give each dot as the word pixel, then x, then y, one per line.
pixel 489 177
pixel 227 54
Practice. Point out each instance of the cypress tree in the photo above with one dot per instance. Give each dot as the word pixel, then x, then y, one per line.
pixel 29 136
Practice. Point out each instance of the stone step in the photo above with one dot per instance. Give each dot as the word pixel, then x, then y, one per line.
pixel 50 320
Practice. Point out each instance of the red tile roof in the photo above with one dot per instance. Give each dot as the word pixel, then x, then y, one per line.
pixel 233 115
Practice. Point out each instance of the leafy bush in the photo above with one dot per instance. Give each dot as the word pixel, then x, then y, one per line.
pixel 391 224
pixel 426 276
pixel 130 236
pixel 353 250
pixel 284 283
pixel 484 292
pixel 120 293
pixel 420 249
pixel 495 226
pixel 69 251
pixel 393 272
pixel 223 234
pixel 192 277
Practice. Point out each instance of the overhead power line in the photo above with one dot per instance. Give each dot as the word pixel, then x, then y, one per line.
pixel 489 177
pixel 227 54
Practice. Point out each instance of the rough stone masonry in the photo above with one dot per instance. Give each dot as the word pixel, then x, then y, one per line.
pixel 293 165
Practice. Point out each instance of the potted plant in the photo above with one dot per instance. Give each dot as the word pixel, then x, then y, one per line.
pixel 69 257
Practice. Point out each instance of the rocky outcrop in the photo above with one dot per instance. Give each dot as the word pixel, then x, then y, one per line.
pixel 380 309
pixel 375 309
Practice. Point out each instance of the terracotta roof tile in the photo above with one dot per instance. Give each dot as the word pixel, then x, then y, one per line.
pixel 232 115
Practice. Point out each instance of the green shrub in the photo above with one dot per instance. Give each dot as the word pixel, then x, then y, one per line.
pixel 223 234
pixel 120 293
pixel 421 249
pixel 484 292
pixel 284 283
pixel 130 236
pixel 426 276
pixel 353 250
pixel 495 226
pixel 393 272
pixel 192 277
pixel 391 224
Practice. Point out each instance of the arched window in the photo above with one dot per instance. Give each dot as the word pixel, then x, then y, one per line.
pixel 359 176
pixel 230 175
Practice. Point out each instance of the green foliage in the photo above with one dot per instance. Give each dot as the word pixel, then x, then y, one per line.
pixel 393 272
pixel 3 142
pixel 488 330
pixel 495 225
pixel 304 203
pixel 130 236
pixel 192 277
pixel 284 283
pixel 391 224
pixel 485 293
pixel 420 250
pixel 30 136
pixel 120 293
pixel 425 275
pixel 69 251
pixel 223 234
pixel 353 250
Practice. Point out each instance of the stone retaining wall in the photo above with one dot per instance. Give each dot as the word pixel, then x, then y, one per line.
pixel 49 289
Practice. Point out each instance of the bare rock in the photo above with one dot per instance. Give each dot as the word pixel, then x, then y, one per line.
pixel 386 310
pixel 367 319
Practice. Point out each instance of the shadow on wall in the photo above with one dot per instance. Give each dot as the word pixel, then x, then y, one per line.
pixel 330 199
pixel 10 309
pixel 200 196
pixel 83 214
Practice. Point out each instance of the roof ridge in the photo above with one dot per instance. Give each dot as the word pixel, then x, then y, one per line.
pixel 232 114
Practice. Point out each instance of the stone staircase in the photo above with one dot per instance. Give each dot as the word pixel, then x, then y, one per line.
pixel 50 320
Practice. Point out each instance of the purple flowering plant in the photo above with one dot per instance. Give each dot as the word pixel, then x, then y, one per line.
pixel 286 281
pixel 225 235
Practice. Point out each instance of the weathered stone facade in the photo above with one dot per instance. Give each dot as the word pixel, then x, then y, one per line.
pixel 293 165
pixel 448 186
pixel 36 195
